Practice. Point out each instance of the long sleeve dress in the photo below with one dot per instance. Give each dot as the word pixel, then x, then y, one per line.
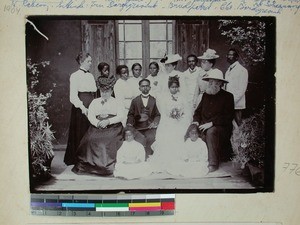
pixel 98 148
pixel 124 93
pixel 168 146
pixel 82 92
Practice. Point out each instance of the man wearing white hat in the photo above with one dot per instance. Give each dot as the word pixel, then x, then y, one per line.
pixel 237 75
pixel 214 117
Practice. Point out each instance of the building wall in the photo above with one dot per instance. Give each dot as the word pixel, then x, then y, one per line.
pixel 64 44
pixel 61 49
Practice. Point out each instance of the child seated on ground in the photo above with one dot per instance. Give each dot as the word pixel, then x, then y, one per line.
pixel 196 149
pixel 195 159
pixel 131 158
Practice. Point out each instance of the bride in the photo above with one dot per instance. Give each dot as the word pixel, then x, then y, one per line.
pixel 174 122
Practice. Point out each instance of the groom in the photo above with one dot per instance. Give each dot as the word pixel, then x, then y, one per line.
pixel 144 116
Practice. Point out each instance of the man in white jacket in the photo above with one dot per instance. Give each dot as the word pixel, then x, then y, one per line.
pixel 237 77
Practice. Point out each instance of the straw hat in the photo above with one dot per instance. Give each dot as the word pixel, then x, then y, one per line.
pixel 215 74
pixel 171 58
pixel 209 54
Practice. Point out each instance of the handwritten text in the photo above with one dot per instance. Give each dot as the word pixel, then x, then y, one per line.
pixel 256 7
pixel 292 168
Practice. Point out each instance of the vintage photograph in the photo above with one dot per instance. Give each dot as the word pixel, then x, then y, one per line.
pixel 151 104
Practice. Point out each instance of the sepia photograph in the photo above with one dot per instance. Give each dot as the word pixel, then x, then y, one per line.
pixel 143 104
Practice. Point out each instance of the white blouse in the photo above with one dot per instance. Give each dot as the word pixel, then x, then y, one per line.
pixel 134 84
pixel 100 107
pixel 154 83
pixel 124 92
pixel 81 82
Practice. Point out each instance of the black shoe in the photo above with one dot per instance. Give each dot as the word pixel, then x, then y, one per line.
pixel 212 168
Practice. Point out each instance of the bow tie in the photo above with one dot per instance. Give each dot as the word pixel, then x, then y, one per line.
pixel 145 96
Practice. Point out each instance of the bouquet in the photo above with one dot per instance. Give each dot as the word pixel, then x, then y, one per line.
pixel 176 113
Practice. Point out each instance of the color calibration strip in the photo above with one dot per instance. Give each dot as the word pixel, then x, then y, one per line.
pixel 102 206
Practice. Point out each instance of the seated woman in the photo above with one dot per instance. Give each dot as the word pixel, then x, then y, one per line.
pixel 98 148
pixel 131 158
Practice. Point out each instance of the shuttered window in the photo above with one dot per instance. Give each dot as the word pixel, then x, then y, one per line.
pixel 144 41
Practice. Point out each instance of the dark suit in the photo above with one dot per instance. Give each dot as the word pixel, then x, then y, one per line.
pixel 145 136
pixel 218 109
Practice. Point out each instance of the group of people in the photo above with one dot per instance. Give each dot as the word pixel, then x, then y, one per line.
pixel 171 122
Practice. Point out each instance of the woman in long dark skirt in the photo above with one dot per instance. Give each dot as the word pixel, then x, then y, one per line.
pixel 82 92
pixel 98 148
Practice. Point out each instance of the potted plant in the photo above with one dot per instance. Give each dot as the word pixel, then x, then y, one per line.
pixel 40 133
pixel 248 143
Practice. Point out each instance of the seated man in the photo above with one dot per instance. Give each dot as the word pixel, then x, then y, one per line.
pixel 144 116
pixel 214 117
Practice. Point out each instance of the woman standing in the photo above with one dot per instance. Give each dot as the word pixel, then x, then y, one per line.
pixel 154 78
pixel 133 80
pixel 208 60
pixel 82 92
pixel 104 70
pixel 174 122
pixel 170 63
pixel 123 91
pixel 98 148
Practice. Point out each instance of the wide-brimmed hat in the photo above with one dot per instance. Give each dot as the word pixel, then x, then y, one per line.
pixel 171 58
pixel 215 74
pixel 106 83
pixel 209 54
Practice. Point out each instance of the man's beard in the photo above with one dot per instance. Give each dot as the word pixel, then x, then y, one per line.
pixel 213 89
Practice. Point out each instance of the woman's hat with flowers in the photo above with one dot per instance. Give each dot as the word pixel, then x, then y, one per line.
pixel 106 83
pixel 209 54
pixel 215 74
pixel 171 58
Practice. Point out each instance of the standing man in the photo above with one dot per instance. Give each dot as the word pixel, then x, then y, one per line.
pixel 144 116
pixel 189 78
pixel 213 117
pixel 237 76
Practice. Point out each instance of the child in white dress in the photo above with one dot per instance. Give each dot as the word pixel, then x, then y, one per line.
pixel 195 158
pixel 131 158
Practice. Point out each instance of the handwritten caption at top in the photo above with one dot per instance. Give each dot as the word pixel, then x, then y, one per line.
pixel 257 7
pixel 12 9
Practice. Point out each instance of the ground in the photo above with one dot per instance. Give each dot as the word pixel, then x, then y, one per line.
pixel 227 178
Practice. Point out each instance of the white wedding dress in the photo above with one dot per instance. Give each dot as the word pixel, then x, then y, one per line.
pixel 168 146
